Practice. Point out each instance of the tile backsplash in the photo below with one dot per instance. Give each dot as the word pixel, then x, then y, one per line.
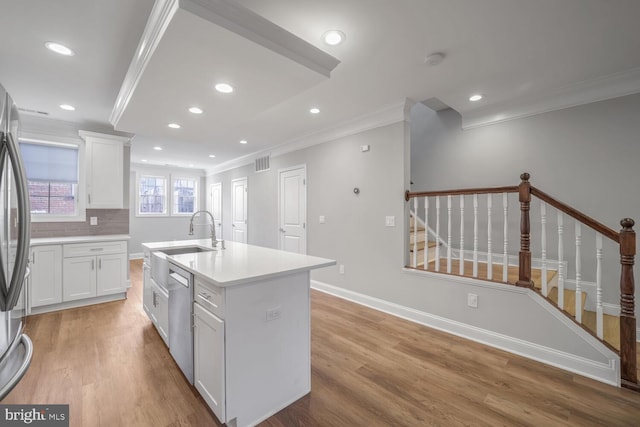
pixel 110 221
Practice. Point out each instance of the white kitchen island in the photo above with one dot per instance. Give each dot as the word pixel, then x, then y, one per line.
pixel 252 352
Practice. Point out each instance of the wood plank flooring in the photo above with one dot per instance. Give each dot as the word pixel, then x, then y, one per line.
pixel 368 369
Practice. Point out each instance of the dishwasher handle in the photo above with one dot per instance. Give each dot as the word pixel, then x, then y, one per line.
pixel 179 278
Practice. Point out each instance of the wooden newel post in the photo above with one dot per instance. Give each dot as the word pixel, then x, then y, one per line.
pixel 627 306
pixel 524 195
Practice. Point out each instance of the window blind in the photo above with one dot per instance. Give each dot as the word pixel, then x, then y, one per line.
pixel 50 163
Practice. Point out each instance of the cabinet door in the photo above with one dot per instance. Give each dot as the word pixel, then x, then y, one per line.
pixel 147 290
pixel 46 275
pixel 162 314
pixel 105 173
pixel 112 274
pixel 79 278
pixel 208 360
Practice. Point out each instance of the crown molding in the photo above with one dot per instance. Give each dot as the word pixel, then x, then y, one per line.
pixel 159 19
pixel 394 113
pixel 584 92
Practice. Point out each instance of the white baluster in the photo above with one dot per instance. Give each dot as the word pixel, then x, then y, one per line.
pixel 415 232
pixel 449 234
pixel 560 262
pixel 543 243
pixel 437 233
pixel 475 235
pixel 599 309
pixel 461 270
pixel 578 273
pixel 489 254
pixel 505 256
pixel 425 255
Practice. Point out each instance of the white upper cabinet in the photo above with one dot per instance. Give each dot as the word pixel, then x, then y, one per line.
pixel 105 170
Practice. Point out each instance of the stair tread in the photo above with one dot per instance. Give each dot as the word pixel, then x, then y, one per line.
pixel 512 270
pixel 569 300
pixel 420 245
pixel 610 327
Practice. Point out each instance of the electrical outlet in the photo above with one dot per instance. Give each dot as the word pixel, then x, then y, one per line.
pixel 93 220
pixel 322 219
pixel 472 300
pixel 341 268
pixel 273 313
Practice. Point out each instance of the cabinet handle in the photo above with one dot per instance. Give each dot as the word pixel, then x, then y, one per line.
pixel 33 260
pixel 96 249
pixel 100 263
pixel 205 295
pixel 93 264
pixel 154 298
pixel 89 195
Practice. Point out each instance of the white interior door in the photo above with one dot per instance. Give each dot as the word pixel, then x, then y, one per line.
pixel 239 210
pixel 216 207
pixel 292 204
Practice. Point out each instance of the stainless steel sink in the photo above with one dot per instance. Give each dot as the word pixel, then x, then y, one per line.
pixel 186 250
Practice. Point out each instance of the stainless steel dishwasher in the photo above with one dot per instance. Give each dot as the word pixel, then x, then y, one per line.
pixel 180 284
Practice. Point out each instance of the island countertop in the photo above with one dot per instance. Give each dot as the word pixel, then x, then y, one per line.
pixel 239 263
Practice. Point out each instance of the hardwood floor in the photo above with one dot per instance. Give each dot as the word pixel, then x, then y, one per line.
pixel 368 369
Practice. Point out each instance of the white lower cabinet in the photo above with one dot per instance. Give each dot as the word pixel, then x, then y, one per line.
pixel 79 278
pixel 45 263
pixel 208 359
pixel 76 271
pixel 155 302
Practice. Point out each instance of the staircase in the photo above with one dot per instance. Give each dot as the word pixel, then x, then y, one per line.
pixel 442 258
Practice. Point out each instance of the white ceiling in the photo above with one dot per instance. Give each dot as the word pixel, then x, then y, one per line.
pixel 524 56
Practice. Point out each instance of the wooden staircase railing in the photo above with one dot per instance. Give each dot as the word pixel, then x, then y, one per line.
pixel 625 239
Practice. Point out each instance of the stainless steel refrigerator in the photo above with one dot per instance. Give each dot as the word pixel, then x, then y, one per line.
pixel 16 348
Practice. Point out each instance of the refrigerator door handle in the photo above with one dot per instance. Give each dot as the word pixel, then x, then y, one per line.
pixel 15 379
pixel 24 212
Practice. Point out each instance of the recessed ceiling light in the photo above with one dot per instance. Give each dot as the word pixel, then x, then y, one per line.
pixel 244 141
pixel 476 97
pixel 333 37
pixel 191 165
pixel 212 155
pixel 59 48
pixel 157 148
pixel 195 110
pixel 224 87
pixel 174 126
pixel 314 110
pixel 144 160
pixel 67 107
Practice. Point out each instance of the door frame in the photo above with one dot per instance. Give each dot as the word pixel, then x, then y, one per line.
pixel 219 183
pixel 302 166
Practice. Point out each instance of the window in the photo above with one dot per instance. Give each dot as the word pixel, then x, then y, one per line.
pixel 152 196
pixel 185 196
pixel 53 172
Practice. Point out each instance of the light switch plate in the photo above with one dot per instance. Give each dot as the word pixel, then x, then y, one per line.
pixel 93 220
pixel 472 300
pixel 390 221
pixel 322 219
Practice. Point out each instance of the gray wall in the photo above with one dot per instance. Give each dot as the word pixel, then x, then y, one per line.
pixel 584 156
pixel 373 255
pixel 165 228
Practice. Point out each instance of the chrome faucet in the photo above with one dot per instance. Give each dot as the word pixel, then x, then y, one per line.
pixel 214 241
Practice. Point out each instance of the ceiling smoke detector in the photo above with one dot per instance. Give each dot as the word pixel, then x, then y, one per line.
pixel 434 59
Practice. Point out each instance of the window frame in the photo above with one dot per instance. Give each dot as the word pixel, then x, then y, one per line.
pixel 196 194
pixel 81 206
pixel 167 196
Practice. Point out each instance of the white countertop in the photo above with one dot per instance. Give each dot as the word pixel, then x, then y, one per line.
pixel 239 263
pixel 39 241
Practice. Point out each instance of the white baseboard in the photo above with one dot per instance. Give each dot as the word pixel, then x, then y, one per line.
pixel 78 303
pixel 608 373
pixel 137 255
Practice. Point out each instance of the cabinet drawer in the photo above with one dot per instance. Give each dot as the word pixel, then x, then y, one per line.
pixel 88 249
pixel 209 296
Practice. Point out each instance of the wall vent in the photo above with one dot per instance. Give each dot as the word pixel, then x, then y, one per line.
pixel 263 163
